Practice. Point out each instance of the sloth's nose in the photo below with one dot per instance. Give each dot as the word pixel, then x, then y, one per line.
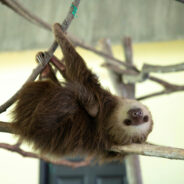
pixel 135 113
pixel 136 117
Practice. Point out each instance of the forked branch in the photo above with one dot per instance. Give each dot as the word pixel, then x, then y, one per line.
pixel 168 88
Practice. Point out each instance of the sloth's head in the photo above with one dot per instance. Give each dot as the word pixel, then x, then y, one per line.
pixel 131 122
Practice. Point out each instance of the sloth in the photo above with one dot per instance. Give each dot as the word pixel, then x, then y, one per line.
pixel 78 116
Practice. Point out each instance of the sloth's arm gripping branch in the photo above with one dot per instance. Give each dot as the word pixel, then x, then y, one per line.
pixel 40 67
pixel 76 69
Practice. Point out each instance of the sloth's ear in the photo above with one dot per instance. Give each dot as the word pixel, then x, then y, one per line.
pixel 92 110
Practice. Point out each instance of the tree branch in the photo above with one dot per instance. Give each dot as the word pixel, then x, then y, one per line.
pixel 147 68
pixel 151 95
pixel 5 127
pixel 22 11
pixel 151 150
pixel 132 75
pixel 103 54
pixel 16 148
pixel 140 149
pixel 46 57
pixel 132 162
pixel 19 9
pixel 164 83
pixel 114 75
pixel 181 1
pixel 168 88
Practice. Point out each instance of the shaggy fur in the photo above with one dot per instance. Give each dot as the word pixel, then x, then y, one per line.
pixel 78 117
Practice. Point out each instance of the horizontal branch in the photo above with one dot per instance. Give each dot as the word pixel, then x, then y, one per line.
pixel 130 76
pixel 151 150
pixel 140 149
pixel 103 54
pixel 143 74
pixel 147 68
pixel 5 127
pixel 17 149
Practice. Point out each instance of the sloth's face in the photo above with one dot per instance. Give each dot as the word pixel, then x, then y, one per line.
pixel 131 122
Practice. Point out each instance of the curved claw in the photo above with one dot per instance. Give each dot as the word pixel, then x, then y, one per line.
pixel 42 57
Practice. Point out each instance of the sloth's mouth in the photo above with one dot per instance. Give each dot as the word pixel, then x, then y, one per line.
pixel 136 121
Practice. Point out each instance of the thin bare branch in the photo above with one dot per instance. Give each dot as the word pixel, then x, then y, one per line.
pixel 18 8
pixel 147 68
pixel 103 54
pixel 181 1
pixel 5 127
pixel 22 11
pixel 164 83
pixel 131 76
pixel 46 57
pixel 151 95
pixel 168 88
pixel 162 92
pixel 115 68
pixel 16 148
pixel 151 150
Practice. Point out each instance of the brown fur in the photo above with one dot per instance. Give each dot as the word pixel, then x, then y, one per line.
pixel 71 118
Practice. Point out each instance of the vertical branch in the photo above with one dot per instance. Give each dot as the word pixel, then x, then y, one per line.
pixel 132 162
pixel 115 77
pixel 128 91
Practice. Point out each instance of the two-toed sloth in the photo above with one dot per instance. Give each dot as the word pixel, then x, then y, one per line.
pixel 78 116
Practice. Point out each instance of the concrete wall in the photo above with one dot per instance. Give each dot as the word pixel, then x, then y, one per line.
pixel 143 20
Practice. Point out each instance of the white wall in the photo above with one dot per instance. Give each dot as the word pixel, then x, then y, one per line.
pixel 14 169
pixel 167 111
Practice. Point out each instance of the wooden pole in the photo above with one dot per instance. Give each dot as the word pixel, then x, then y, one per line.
pixel 132 163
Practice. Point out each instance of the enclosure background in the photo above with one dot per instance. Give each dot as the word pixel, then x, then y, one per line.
pixel 143 20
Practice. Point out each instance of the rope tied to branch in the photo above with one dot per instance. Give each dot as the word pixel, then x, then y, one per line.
pixel 74 10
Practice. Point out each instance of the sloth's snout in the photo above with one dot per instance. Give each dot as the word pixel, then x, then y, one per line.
pixel 136 117
pixel 136 113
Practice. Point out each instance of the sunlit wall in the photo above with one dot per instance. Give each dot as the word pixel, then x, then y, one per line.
pixel 167 110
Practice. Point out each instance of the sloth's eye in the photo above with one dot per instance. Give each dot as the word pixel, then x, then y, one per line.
pixel 127 122
pixel 146 118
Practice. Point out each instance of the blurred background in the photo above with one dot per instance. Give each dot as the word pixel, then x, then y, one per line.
pixel 157 31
